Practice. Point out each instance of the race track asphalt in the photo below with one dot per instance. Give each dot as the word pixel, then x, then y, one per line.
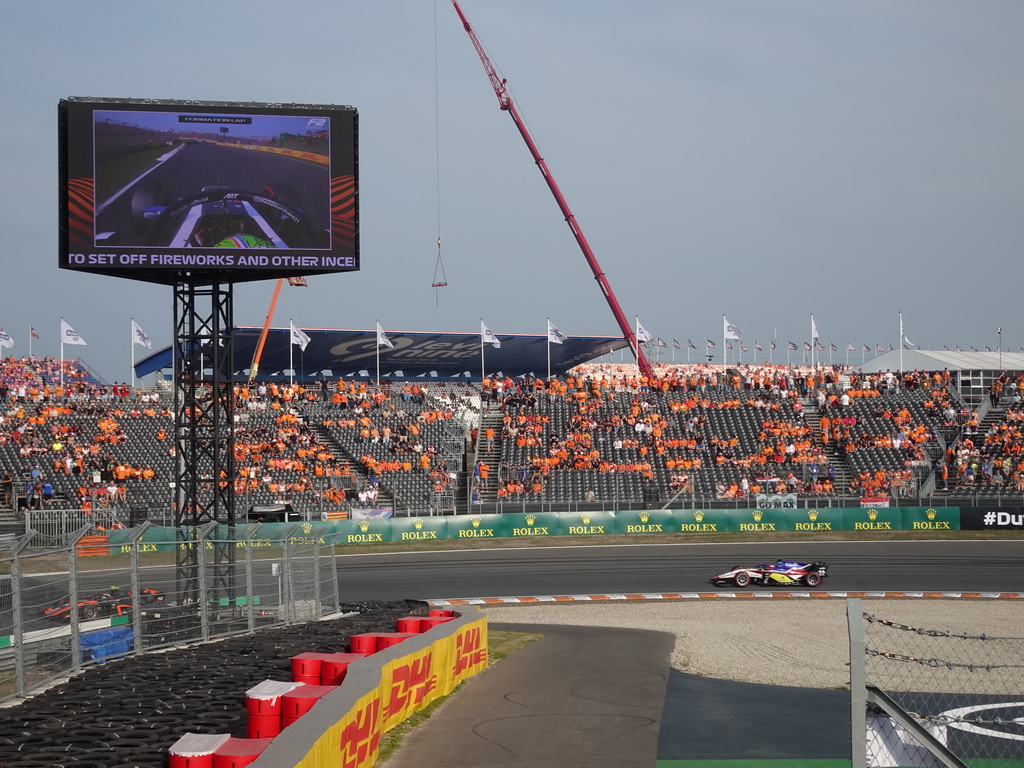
pixel 607 698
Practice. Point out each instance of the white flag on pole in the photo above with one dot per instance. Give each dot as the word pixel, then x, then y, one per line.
pixel 5 339
pixel 487 337
pixel 814 330
pixel 731 331
pixel 299 337
pixel 69 335
pixel 642 336
pixel 907 343
pixel 139 336
pixel 382 338
pixel 555 336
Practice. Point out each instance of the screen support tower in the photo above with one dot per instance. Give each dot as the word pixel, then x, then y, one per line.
pixel 204 438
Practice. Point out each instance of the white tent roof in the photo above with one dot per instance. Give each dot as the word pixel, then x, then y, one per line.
pixel 932 360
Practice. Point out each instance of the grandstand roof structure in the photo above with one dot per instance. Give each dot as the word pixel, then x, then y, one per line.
pixel 342 353
pixel 932 360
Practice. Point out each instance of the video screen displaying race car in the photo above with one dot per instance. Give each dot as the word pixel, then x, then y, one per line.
pixel 786 573
pixel 113 602
pixel 153 189
pixel 213 181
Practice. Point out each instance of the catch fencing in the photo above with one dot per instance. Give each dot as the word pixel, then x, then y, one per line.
pixel 934 696
pixel 63 608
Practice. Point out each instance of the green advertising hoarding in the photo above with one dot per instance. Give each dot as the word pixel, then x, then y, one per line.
pixel 931 518
pixel 647 521
pixel 586 523
pixel 463 527
pixel 517 525
pixel 826 519
pixel 701 521
pixel 761 520
pixel 373 531
pixel 873 519
pixel 426 528
pixel 529 524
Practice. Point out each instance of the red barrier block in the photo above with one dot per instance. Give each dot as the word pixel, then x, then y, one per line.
pixel 365 643
pixel 387 639
pixel 299 701
pixel 195 750
pixel 432 621
pixel 306 667
pixel 410 624
pixel 335 667
pixel 264 699
pixel 263 726
pixel 235 753
pixel 442 612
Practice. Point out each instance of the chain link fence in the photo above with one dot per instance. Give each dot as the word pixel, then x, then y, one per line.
pixel 934 695
pixel 70 605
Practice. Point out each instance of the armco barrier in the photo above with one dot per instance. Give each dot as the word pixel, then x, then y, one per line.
pixel 624 522
pixel 380 691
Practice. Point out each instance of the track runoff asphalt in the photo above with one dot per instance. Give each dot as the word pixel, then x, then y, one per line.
pixel 641 680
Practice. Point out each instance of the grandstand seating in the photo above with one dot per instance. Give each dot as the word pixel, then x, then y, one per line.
pixel 602 435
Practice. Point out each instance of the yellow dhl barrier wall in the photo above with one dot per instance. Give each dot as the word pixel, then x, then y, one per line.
pixel 344 728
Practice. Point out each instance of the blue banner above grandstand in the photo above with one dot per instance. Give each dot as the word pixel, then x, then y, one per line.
pixel 353 353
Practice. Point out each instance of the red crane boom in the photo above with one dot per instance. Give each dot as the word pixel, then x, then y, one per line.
pixel 505 102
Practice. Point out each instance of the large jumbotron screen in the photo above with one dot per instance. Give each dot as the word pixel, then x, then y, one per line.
pixel 160 191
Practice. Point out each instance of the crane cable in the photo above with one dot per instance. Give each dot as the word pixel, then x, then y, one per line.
pixel 442 281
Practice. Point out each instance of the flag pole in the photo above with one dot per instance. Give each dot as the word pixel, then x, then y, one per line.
pixel 636 335
pixel 291 353
pixel 814 341
pixel 901 343
pixel 725 349
pixel 62 353
pixel 378 354
pixel 30 343
pixel 548 336
pixel 131 349
pixel 482 365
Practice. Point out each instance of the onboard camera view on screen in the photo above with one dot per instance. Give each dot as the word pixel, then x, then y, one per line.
pixel 198 180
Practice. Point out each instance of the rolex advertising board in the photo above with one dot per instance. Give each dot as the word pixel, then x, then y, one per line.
pixel 586 523
pixel 425 528
pixel 762 520
pixel 873 519
pixel 931 518
pixel 644 521
pixel 477 526
pixel 531 524
pixel 376 531
pixel 817 519
pixel 701 521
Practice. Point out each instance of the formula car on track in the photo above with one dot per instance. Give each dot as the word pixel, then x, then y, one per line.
pixel 783 573
pixel 115 602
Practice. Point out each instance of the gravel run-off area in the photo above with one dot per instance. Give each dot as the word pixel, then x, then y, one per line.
pixel 790 642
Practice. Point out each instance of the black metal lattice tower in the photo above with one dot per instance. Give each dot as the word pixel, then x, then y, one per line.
pixel 204 442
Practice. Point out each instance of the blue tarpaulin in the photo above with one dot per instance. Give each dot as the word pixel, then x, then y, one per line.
pixel 105 643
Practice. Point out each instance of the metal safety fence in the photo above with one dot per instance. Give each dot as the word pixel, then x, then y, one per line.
pixel 933 696
pixel 64 607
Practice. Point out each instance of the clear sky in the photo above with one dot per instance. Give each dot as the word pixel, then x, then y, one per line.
pixel 761 159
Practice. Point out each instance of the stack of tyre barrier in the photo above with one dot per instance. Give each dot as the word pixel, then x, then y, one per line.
pixel 273 705
pixel 129 712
